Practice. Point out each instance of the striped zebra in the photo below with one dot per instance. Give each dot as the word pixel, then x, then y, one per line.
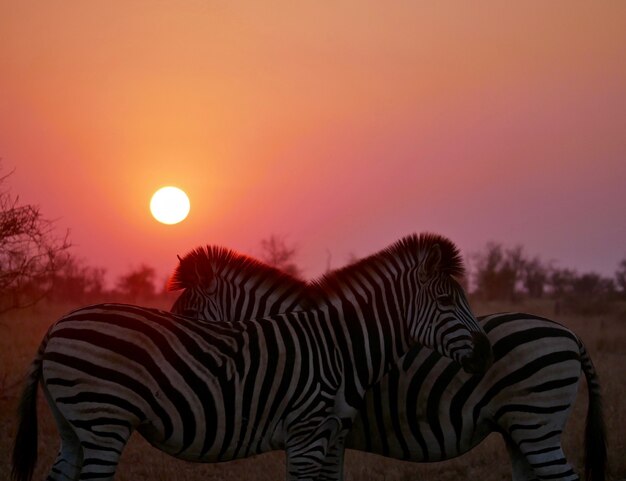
pixel 206 391
pixel 428 409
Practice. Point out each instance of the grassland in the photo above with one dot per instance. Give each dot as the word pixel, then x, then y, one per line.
pixel 604 335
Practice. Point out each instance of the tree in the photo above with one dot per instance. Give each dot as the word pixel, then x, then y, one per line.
pixel 591 294
pixel 498 271
pixel 503 273
pixel 138 284
pixel 30 252
pixel 76 282
pixel 276 254
pixel 620 277
pixel 561 282
pixel 535 277
pixel 594 285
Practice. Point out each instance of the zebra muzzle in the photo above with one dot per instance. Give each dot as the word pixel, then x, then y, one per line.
pixel 481 358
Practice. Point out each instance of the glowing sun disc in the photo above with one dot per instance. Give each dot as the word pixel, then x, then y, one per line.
pixel 169 205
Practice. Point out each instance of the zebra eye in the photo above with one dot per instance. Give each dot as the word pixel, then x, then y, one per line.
pixel 445 299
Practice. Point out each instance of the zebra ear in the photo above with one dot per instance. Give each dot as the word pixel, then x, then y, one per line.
pixel 180 278
pixel 431 263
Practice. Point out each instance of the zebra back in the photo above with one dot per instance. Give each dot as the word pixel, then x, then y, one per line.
pixel 222 285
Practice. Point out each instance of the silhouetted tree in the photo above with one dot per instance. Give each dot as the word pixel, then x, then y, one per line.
pixel 76 282
pixel 504 274
pixel 498 271
pixel 593 285
pixel 620 278
pixel 561 282
pixel 591 294
pixel 30 252
pixel 535 277
pixel 138 284
pixel 276 253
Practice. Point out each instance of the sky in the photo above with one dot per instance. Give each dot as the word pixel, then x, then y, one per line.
pixel 338 126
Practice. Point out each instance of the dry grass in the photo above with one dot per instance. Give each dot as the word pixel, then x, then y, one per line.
pixel 605 337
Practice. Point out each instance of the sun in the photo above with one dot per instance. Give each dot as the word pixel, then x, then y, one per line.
pixel 169 205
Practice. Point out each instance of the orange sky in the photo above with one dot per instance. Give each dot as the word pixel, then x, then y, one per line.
pixel 341 125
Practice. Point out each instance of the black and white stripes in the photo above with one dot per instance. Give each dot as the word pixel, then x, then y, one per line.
pixel 207 391
pixel 220 284
pixel 428 409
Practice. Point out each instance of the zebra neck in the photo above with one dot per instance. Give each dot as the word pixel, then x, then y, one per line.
pixel 370 335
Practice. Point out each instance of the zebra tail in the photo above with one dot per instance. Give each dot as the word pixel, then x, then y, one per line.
pixel 25 445
pixel 595 430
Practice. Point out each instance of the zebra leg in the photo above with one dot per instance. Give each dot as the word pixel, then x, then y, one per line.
pixel 308 451
pixel 539 453
pixel 69 461
pixel 103 438
pixel 534 419
pixel 332 468
pixel 92 440
pixel 303 466
pixel 521 470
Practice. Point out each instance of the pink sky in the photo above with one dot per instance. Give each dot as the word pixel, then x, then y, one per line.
pixel 340 125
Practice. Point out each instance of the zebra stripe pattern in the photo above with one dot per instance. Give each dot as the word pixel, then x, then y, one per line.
pixel 430 410
pixel 220 284
pixel 207 391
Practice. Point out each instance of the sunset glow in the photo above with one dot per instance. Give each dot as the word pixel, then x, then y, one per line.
pixel 169 205
pixel 341 125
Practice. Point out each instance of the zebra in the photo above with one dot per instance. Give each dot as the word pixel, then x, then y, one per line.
pixel 208 392
pixel 428 409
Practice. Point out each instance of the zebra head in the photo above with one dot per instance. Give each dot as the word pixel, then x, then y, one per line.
pixel 442 318
pixel 222 285
pixel 195 274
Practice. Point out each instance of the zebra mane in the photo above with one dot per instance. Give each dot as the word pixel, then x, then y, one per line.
pixel 200 266
pixel 410 248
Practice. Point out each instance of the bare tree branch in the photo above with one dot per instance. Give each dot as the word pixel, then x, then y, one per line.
pixel 30 252
pixel 277 254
